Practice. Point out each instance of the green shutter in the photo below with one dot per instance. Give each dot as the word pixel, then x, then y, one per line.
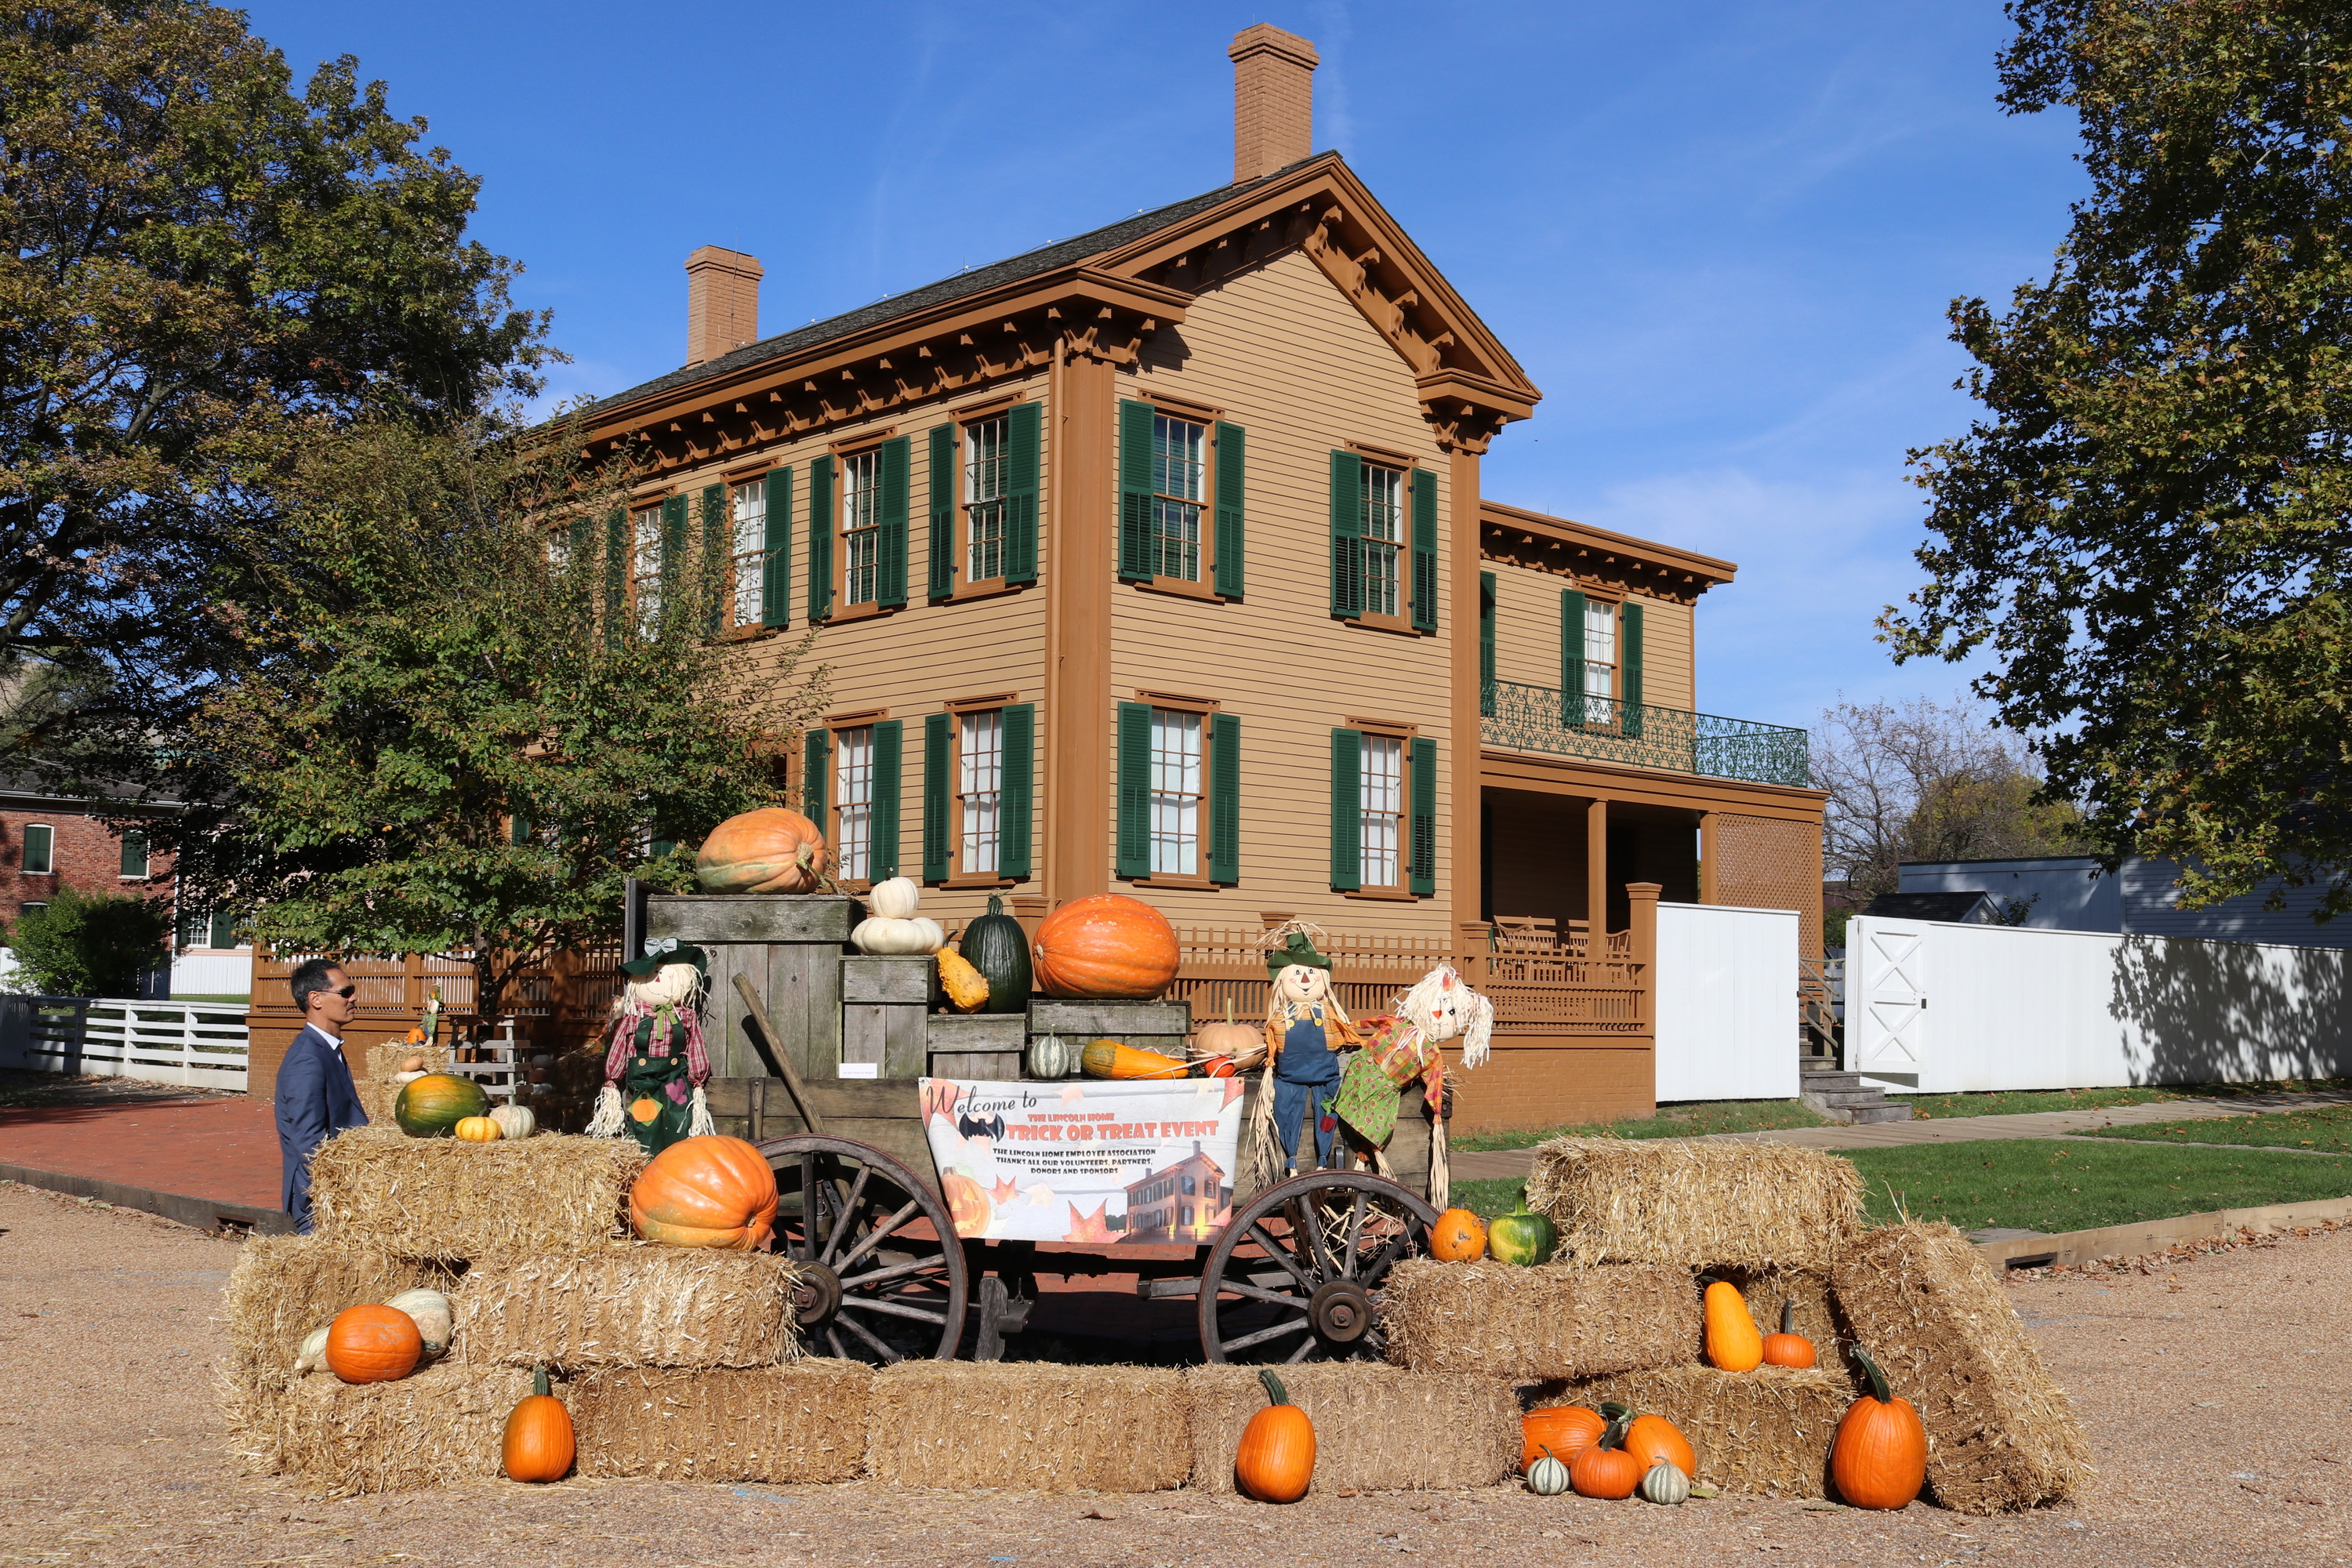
pixel 891 527
pixel 882 835
pixel 1347 536
pixel 816 778
pixel 224 928
pixel 616 572
pixel 1347 809
pixel 673 556
pixel 1425 551
pixel 938 752
pixel 1233 459
pixel 1022 468
pixel 517 829
pixel 940 581
pixel 1224 798
pixel 1629 633
pixel 1015 807
pixel 776 565
pixel 1134 789
pixel 1423 839
pixel 1571 657
pixel 715 555
pixel 580 538
pixel 1485 645
pixel 1134 492
pixel 822 526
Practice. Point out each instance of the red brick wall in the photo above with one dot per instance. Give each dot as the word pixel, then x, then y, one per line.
pixel 86 856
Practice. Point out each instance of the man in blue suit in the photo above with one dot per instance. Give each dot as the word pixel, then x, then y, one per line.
pixel 316 1098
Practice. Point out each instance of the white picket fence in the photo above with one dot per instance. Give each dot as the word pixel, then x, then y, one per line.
pixel 193 1044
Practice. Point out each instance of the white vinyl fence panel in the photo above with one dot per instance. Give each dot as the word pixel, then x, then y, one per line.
pixel 195 1045
pixel 1946 1008
pixel 212 973
pixel 1727 1003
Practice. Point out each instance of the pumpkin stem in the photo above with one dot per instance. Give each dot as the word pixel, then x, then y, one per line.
pixel 1275 1392
pixel 1878 1389
pixel 539 1381
pixel 1789 1316
pixel 1611 1409
pixel 1615 1436
pixel 1547 1453
pixel 996 905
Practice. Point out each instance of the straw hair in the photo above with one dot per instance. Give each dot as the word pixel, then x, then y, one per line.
pixel 629 1303
pixel 2001 1433
pixel 1028 1426
pixel 437 1198
pixel 1556 1321
pixel 377 1091
pixel 1681 1201
pixel 1377 1428
pixel 440 1424
pixel 1764 1431
pixel 806 1421
pixel 281 1288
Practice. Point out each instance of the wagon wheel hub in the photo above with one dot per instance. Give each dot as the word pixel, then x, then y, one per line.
pixel 816 1294
pixel 1341 1312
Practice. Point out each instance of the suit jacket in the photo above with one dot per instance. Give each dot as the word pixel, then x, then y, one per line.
pixel 316 1099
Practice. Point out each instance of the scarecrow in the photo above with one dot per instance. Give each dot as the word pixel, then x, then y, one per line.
pixel 1306 1028
pixel 1402 1048
pixel 656 1070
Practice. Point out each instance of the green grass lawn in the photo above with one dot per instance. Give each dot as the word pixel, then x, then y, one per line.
pixel 1689 1119
pixel 2035 1183
pixel 2324 1127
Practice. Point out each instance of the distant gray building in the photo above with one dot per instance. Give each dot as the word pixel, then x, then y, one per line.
pixel 2070 892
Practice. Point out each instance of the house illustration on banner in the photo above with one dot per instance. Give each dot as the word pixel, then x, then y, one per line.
pixel 1187 1201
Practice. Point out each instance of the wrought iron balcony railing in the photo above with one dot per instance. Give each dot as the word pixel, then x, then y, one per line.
pixel 1544 718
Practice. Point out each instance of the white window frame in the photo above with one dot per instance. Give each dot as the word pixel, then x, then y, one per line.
pixel 1179 790
pixel 1382 515
pixel 861 527
pixel 1601 658
pixel 853 802
pixel 749 503
pixel 1179 478
pixel 49 865
pixel 1381 795
pixel 979 791
pixel 146 859
pixel 646 566
pixel 987 449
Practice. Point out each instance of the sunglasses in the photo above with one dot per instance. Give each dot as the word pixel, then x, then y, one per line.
pixel 345 991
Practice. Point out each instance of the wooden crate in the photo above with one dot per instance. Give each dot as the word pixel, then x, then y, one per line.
pixel 985 1046
pixel 885 998
pixel 790 948
pixel 1147 1026
pixel 885 1112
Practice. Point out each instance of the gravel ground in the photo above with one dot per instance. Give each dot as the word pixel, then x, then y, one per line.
pixel 2213 1390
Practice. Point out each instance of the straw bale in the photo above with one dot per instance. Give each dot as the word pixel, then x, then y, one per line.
pixel 1764 1431
pixel 1687 1201
pixel 629 1303
pixel 2001 1433
pixel 281 1288
pixel 804 1422
pixel 1030 1425
pixel 1377 1428
pixel 1555 1320
pixel 377 1091
pixel 439 1425
pixel 439 1197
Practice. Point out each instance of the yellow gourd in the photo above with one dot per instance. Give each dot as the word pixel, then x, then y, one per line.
pixel 966 987
pixel 479 1129
pixel 1109 1059
pixel 1733 1342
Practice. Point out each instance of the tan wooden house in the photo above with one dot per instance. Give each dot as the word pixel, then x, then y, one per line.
pixel 1156 560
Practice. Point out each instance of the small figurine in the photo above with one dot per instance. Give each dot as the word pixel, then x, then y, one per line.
pixel 656 1067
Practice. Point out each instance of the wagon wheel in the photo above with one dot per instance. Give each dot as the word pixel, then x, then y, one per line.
pixel 1299 1275
pixel 881 1276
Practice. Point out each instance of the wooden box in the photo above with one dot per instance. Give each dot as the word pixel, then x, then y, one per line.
pixel 885 998
pixel 986 1046
pixel 789 947
pixel 1147 1026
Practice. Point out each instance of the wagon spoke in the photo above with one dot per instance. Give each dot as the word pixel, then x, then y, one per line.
pixel 834 1339
pixel 895 1272
pixel 1306 1232
pixel 812 1207
pixel 895 1310
pixel 855 1327
pixel 1273 1251
pixel 874 1238
pixel 1259 1293
pixel 1355 1229
pixel 848 1210
pixel 1306 1348
pixel 1295 1325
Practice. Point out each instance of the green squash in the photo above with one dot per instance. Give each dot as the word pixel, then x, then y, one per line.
pixel 1523 1238
pixel 997 946
pixel 431 1106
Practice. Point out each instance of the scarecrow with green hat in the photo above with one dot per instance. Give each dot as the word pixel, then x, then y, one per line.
pixel 656 1067
pixel 1305 1030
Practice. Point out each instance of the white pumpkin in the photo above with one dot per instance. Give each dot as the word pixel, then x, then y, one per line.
pixel 1051 1056
pixel 430 1308
pixel 895 900
pixel 406 1078
pixel 313 1354
pixel 890 934
pixel 514 1120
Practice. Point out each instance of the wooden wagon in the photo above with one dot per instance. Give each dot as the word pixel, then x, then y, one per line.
pixel 817 1054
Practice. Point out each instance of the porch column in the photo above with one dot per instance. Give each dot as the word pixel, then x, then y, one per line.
pixel 1461 872
pixel 1082 500
pixel 1596 873
pixel 1642 909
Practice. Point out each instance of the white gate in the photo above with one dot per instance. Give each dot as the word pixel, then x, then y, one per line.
pixel 1727 1003
pixel 1886 1035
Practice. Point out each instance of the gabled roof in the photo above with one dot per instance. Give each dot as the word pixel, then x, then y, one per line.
pixel 1960 909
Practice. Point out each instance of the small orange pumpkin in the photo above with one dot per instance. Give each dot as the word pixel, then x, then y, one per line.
pixel 479 1129
pixel 1107 945
pixel 1879 1458
pixel 771 850
pixel 1228 1038
pixel 374 1344
pixel 1788 1348
pixel 1606 1469
pixel 1277 1459
pixel 1566 1430
pixel 710 1191
pixel 539 1445
pixel 1458 1236
pixel 1655 1440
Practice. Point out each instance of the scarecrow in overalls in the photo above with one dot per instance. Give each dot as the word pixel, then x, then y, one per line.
pixel 1305 1030
pixel 656 1067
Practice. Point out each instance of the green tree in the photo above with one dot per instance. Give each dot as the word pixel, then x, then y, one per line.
pixel 203 268
pixel 89 944
pixel 443 732
pixel 2147 530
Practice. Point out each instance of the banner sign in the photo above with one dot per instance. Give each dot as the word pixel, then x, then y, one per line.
pixel 1089 1160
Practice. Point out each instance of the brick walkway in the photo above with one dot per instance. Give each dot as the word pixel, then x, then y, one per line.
pixel 222 1149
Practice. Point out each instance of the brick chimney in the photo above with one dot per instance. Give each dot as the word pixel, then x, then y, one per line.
pixel 722 302
pixel 1273 100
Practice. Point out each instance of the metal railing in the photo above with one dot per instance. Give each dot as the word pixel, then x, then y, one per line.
pixel 1544 718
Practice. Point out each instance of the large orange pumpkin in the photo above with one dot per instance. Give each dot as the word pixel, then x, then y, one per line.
pixel 1276 1458
pixel 539 1444
pixel 706 1192
pixel 1107 945
pixel 1655 1440
pixel 771 850
pixel 374 1344
pixel 1879 1458
pixel 1566 1430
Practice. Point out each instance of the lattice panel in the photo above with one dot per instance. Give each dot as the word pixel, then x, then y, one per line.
pixel 1766 863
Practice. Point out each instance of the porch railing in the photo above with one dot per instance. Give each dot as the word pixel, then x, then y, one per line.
pixel 1544 718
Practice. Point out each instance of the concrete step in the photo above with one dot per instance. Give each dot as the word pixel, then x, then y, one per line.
pixel 1845 1099
pixel 1863 1115
pixel 1831 1082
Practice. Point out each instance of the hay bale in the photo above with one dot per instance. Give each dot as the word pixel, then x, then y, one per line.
pixel 439 1425
pixel 2001 1433
pixel 1558 1320
pixel 1377 1428
pixel 281 1288
pixel 1030 1425
pixel 629 1303
pixel 437 1197
pixel 1764 1431
pixel 377 1091
pixel 804 1422
pixel 1682 1201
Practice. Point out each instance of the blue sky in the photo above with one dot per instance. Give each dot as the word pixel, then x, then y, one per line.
pixel 1720 237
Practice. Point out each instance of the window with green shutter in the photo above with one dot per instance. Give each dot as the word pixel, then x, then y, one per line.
pixel 1425 551
pixel 890 525
pixel 939 757
pixel 1134 772
pixel 1231 465
pixel 134 856
pixel 1347 810
pixel 672 569
pixel 816 776
pixel 1423 834
pixel 1571 657
pixel 1135 423
pixel 616 572
pixel 1224 799
pixel 821 527
pixel 1630 667
pixel 1023 465
pixel 578 541
pixel 1347 535
pixel 1018 791
pixel 776 570
pixel 222 932
pixel 1485 645
pixel 882 813
pixel 715 555
pixel 939 581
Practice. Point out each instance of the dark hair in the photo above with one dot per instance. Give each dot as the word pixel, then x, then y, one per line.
pixel 308 978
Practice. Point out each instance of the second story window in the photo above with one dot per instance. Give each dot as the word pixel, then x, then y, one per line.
pixel 1383 537
pixel 861 528
pixel 1178 466
pixel 750 551
pixel 1600 659
pixel 40 844
pixel 984 500
pixel 980 790
pixel 852 801
pixel 1175 792
pixel 134 857
pixel 1382 797
pixel 646 564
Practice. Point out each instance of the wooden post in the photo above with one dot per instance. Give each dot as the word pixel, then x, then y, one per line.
pixel 1083 499
pixel 1596 877
pixel 1641 900
pixel 1478 941
pixel 1460 862
pixel 1709 840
